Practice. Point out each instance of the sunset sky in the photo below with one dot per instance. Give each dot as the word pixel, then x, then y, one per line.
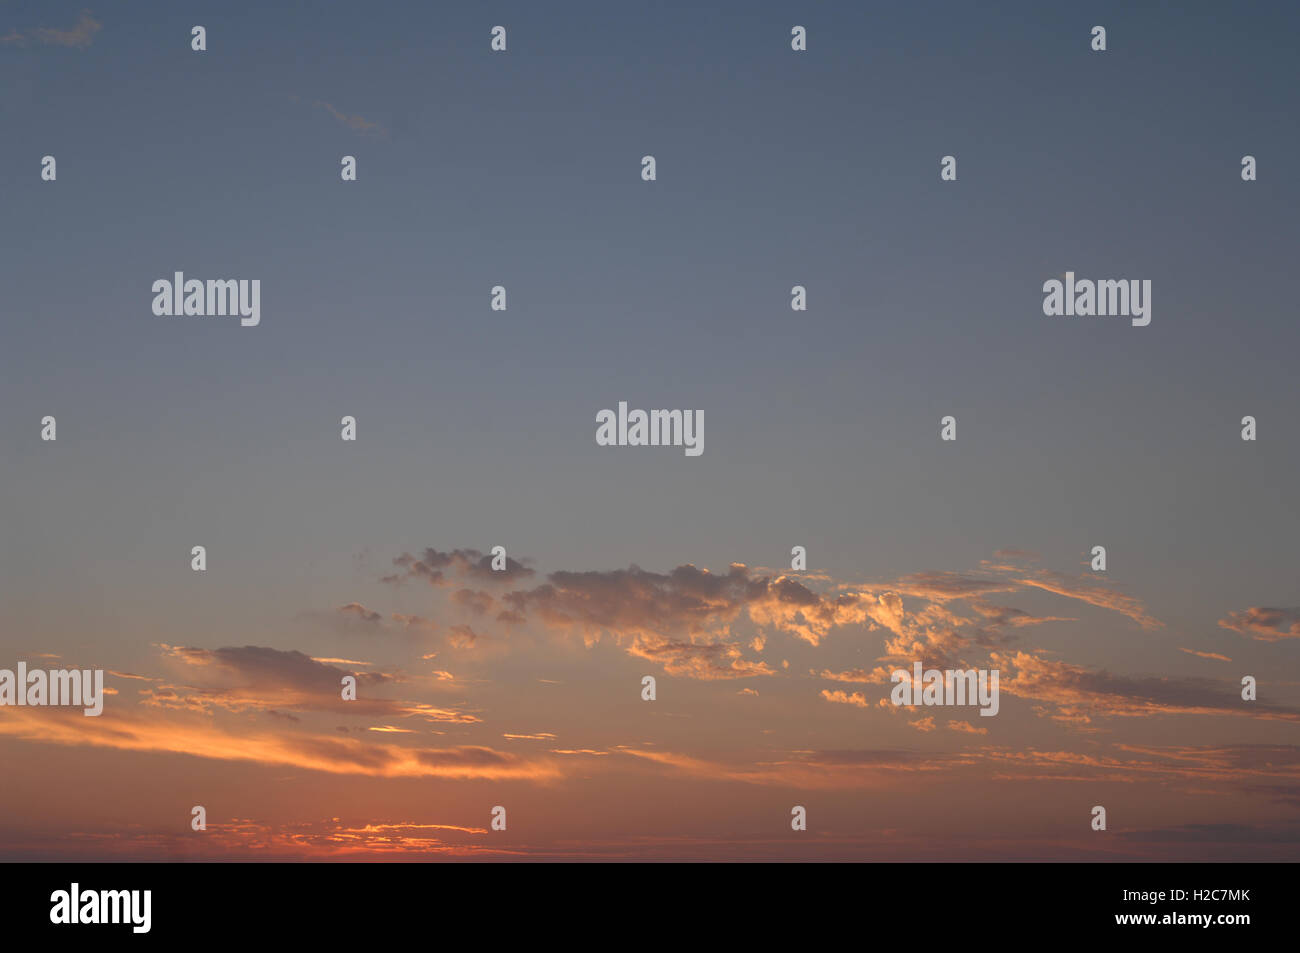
pixel 476 428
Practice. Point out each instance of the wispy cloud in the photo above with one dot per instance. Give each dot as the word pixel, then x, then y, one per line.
pixel 353 121
pixel 1263 624
pixel 252 677
pixel 317 752
pixel 79 36
pixel 1074 693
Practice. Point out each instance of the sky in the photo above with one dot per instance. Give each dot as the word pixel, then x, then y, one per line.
pixel 476 428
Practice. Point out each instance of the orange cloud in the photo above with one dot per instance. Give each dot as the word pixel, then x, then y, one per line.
pixel 1079 694
pixel 1264 625
pixel 310 751
pixel 844 698
pixel 1093 594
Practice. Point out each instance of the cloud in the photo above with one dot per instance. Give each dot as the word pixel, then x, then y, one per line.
pixel 684 619
pixel 206 739
pixel 361 612
pixel 1264 625
pixel 712 661
pixel 473 600
pixel 262 666
pixel 254 677
pixel 446 569
pixel 689 621
pixel 79 36
pixel 1213 834
pixel 1093 594
pixel 700 624
pixel 686 602
pixel 998 616
pixel 357 620
pixel 354 122
pixel 414 623
pixel 852 675
pixel 1228 761
pixel 809 770
pixel 1075 694
pixel 1222 766
pixel 462 636
pixel 716 626
pixel 844 698
pixel 310 840
pixel 941 586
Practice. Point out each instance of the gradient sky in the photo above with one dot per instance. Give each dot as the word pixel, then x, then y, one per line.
pixel 476 429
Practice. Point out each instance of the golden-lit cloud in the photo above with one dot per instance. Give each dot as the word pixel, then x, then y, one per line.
pixel 251 678
pixel 1263 624
pixel 1074 693
pixel 205 739
pixel 844 698
pixel 534 659
pixel 1093 594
